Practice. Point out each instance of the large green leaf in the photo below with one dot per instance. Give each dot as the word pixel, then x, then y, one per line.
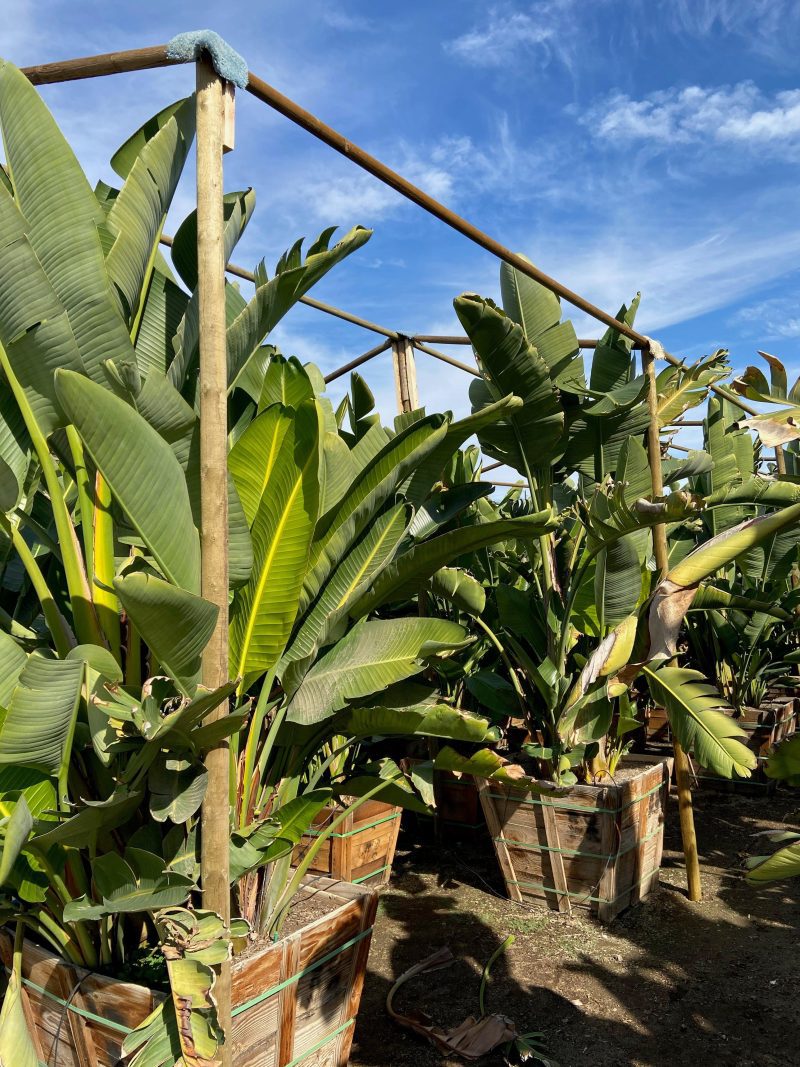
pixel 375 484
pixel 512 366
pixel 617 581
pixel 784 863
pixel 402 578
pixel 40 722
pixel 34 327
pixel 237 210
pixel 137 214
pixel 15 834
pixel 354 574
pixel 64 218
pixel 275 296
pixel 141 469
pixel 371 657
pixel 426 720
pixel 701 720
pixel 175 625
pixel 16 1045
pixel 275 468
pixel 135 883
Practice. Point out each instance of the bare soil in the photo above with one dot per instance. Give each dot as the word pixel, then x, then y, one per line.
pixel 668 983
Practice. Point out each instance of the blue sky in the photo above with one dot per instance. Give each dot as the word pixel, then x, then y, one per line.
pixel 620 144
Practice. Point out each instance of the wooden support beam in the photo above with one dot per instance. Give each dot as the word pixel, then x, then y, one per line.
pixel 215 820
pixel 405 374
pixel 376 351
pixel 68 70
pixel 445 358
pixel 661 553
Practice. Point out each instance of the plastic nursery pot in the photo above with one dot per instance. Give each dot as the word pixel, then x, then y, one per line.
pixel 294 1001
pixel 595 846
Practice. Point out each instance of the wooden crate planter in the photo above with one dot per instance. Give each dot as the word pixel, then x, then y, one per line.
pixel 458 806
pixel 765 727
pixel 362 849
pixel 596 847
pixel 294 1002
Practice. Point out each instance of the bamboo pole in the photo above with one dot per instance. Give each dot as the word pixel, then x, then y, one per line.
pixel 405 375
pixel 685 811
pixel 376 351
pixel 214 496
pixel 445 358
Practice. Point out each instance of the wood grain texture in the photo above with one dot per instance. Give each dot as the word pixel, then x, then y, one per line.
pixel 287 1024
pixel 598 847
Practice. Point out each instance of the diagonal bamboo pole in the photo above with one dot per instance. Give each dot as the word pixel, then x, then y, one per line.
pixel 215 820
pixel 662 564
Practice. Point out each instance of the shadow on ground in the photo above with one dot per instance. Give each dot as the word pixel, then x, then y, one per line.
pixel 668 983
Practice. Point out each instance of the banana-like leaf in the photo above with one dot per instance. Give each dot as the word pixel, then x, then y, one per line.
pixel 460 589
pixel 425 720
pixel 275 468
pixel 15 446
pixel 701 720
pixel 684 387
pixel 538 311
pixel 237 210
pixel 617 581
pixel 694 464
pixel 429 470
pixel 357 571
pixel 372 656
pixel 611 363
pixel 15 835
pixel 177 788
pixel 39 726
pixel 376 483
pixel 175 625
pixel 530 439
pixel 134 883
pixel 754 385
pixel 137 214
pixel 784 863
pixel 784 762
pixel 286 382
pixel 274 297
pixel 122 445
pixel 709 597
pixel 95 817
pixel 403 577
pixel 16 1045
pixel 64 218
pixel 444 505
pixel 164 308
pixel 12 660
pixel 486 763
pixel 733 463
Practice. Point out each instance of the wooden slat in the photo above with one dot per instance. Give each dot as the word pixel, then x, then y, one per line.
pixel 496 830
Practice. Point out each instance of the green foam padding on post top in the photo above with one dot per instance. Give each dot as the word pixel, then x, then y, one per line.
pixel 225 60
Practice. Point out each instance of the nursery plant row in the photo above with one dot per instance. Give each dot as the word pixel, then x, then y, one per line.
pixel 400 634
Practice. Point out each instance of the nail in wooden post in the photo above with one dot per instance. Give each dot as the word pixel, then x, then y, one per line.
pixel 214 494
pixel 662 564
pixel 405 374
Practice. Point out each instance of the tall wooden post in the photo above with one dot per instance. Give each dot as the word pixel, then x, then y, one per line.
pixel 405 374
pixel 662 563
pixel 215 822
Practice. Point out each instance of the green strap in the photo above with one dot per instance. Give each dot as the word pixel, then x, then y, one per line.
pixel 119 1028
pixel 585 896
pixel 108 1023
pixel 580 852
pixel 577 807
pixel 320 1044
pixel 357 829
pixel 374 874
pixel 248 1004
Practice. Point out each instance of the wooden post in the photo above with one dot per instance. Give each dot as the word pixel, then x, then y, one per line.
pixel 405 374
pixel 662 564
pixel 215 823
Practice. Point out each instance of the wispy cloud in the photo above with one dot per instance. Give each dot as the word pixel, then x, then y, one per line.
pixel 340 19
pixel 507 33
pixel 739 115
pixel 778 317
pixel 768 27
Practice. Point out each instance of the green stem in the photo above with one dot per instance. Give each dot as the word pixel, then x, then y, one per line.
pixel 251 745
pixel 63 638
pixel 85 496
pixel 505 658
pixel 84 618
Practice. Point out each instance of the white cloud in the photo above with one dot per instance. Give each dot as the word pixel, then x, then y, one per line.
pixel 339 19
pixel 778 317
pixel 768 27
pixel 545 30
pixel 739 115
pixel 681 275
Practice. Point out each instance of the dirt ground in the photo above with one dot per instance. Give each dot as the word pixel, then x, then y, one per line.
pixel 668 983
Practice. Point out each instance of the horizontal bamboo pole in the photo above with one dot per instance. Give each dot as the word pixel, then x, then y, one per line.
pixel 67 70
pixel 329 309
pixel 444 358
pixel 376 351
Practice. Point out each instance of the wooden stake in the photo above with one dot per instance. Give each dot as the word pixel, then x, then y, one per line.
pixel 405 374
pixel 662 563
pixel 215 822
